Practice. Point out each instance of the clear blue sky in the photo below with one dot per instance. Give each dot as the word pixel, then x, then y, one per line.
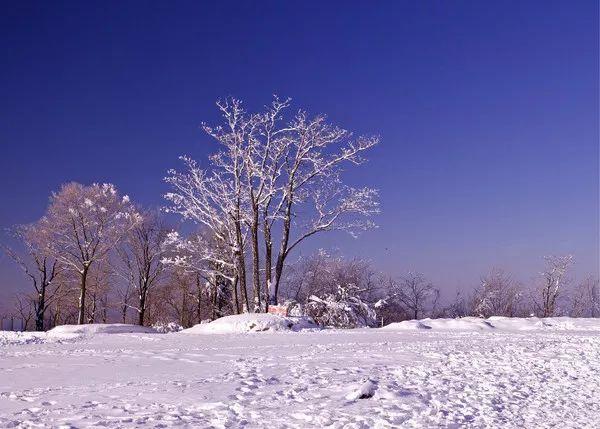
pixel 488 113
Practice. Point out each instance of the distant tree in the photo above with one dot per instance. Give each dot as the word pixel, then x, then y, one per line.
pixel 457 307
pixel 178 297
pixel 40 266
pixel 415 293
pixel 82 225
pixel 552 281
pixel 585 298
pixel 140 255
pixel 25 310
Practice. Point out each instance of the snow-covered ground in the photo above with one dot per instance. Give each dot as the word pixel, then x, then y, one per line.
pixel 514 373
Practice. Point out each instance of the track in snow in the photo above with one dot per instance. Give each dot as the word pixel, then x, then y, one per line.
pixel 308 379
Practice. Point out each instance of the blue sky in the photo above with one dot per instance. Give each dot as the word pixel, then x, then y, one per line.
pixel 488 113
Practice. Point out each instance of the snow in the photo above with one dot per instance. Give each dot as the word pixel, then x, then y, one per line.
pixel 519 373
pixel 365 391
pixel 498 323
pixel 75 331
pixel 9 337
pixel 251 322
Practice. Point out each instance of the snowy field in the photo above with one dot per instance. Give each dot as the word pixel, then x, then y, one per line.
pixel 504 373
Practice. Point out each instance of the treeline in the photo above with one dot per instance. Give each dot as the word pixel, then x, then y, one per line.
pixel 348 293
pixel 275 181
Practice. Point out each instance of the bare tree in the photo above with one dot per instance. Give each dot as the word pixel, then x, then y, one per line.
pixel 82 225
pixel 553 280
pixel 125 294
pixel 140 254
pixel 25 310
pixel 414 292
pixel 585 298
pixel 40 266
pixel 178 297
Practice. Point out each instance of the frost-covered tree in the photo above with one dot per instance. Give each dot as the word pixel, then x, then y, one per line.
pixel 273 169
pixel 140 256
pixel 585 298
pixel 311 183
pixel 552 281
pixel 212 201
pixel 82 225
pixel 204 258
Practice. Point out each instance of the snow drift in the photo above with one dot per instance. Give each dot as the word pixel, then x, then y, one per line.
pixel 498 323
pixel 75 331
pixel 251 322
pixel 10 337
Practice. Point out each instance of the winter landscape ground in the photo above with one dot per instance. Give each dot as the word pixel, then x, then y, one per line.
pixel 469 372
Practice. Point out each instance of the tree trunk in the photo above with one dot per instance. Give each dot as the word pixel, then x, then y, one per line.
pixel 285 236
pixel 235 295
pixel 81 316
pixel 41 306
pixel 142 312
pixel 255 261
pixel 213 303
pixel 198 299
pixel 268 262
pixel 241 266
pixel 92 318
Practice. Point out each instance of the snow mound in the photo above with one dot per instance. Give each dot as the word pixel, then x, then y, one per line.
pixel 517 323
pixel 546 323
pixel 406 325
pixel 462 324
pixel 251 322
pixel 499 323
pixel 76 331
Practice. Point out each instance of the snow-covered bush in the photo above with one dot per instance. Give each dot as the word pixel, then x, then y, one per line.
pixel 166 327
pixel 498 295
pixel 251 322
pixel 333 291
pixel 343 309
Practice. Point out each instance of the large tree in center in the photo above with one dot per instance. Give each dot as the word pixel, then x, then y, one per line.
pixel 275 174
pixel 82 225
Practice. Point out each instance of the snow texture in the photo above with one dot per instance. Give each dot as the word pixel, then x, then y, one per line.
pixel 520 373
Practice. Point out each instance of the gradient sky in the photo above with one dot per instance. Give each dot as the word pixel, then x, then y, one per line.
pixel 488 113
